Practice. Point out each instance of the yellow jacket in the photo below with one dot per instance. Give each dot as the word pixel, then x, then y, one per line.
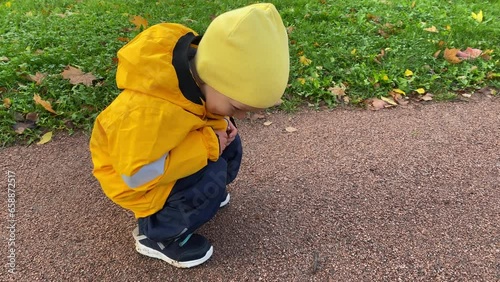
pixel 157 130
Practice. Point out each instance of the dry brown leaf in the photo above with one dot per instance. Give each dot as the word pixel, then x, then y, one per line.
pixel 431 29
pixel 487 91
pixel 139 21
pixel 76 76
pixel 376 104
pixel 426 97
pixel 378 59
pixel 337 91
pixel 123 39
pixel 290 129
pixel 20 127
pixel 32 117
pixel 469 53
pixel 268 123
pixel 38 77
pixel 437 54
pixel 43 103
pixel 451 56
pixel 383 33
pixel 6 103
pixel 492 75
pixel 399 98
pixel 402 101
pixel 372 17
pixel 389 100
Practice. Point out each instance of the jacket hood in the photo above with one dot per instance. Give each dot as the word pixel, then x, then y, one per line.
pixel 156 63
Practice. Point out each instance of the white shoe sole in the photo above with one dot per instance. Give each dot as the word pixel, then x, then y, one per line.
pixel 226 201
pixel 143 250
pixel 181 264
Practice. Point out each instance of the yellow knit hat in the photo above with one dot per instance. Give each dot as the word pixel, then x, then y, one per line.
pixel 244 55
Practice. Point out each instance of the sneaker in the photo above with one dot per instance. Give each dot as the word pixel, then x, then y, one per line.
pixel 185 252
pixel 226 200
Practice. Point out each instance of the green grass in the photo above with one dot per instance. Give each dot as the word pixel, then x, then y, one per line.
pixel 340 38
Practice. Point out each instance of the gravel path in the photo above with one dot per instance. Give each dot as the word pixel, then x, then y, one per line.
pixel 406 194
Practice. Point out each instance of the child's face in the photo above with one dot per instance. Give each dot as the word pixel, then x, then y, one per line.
pixel 219 104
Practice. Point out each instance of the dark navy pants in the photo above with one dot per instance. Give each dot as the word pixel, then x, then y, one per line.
pixel 195 199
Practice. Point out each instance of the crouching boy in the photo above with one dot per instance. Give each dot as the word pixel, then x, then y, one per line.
pixel 167 146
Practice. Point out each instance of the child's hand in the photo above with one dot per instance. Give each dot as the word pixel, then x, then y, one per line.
pixel 231 131
pixel 223 140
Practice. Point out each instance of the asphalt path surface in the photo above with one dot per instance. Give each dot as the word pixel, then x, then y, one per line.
pixel 404 194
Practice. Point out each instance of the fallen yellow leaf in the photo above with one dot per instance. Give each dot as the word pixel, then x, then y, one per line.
pixel 478 17
pixel 45 138
pixel 43 103
pixel 397 90
pixel 488 51
pixel 408 72
pixel 139 21
pixel 420 91
pixel 486 54
pixel 305 61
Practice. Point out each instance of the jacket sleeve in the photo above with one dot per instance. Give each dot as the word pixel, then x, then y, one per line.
pixel 148 147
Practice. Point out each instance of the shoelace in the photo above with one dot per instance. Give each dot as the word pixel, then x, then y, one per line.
pixel 183 242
